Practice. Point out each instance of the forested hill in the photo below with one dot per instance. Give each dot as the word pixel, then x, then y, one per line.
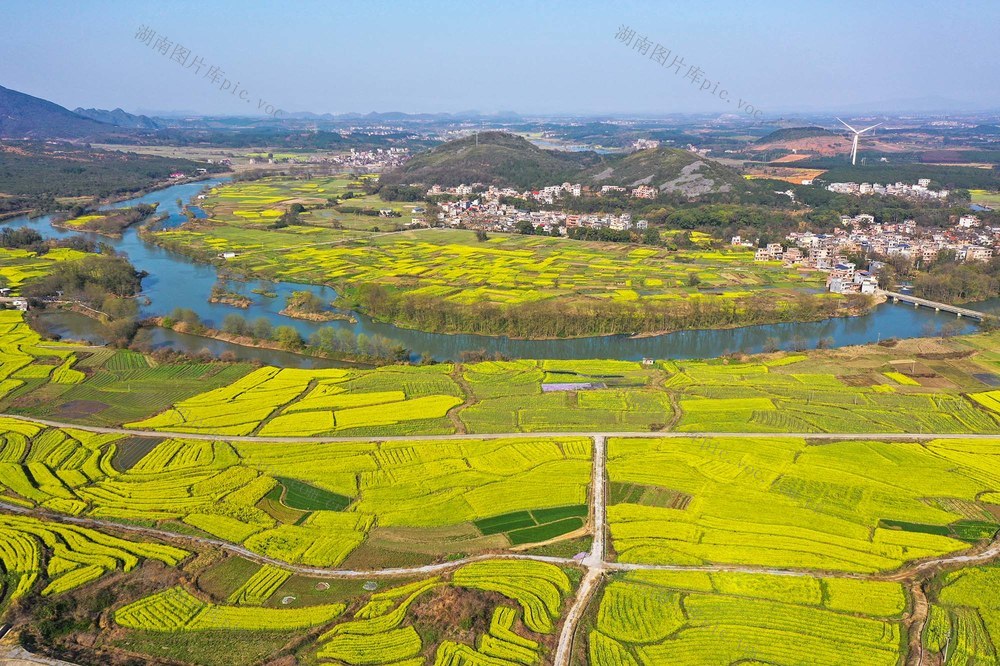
pixel 669 170
pixel 493 158
pixel 32 169
pixel 499 158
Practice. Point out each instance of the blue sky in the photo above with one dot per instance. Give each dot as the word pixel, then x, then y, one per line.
pixel 530 57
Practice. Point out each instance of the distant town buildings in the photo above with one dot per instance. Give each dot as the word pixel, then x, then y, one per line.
pixel 918 191
pixel 371 161
pixel 645 144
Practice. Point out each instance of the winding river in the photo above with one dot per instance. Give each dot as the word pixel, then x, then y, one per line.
pixel 178 281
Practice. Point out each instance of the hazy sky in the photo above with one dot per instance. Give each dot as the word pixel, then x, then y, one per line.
pixel 530 57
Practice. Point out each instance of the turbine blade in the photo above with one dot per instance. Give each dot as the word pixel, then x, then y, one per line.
pixel 847 126
pixel 869 128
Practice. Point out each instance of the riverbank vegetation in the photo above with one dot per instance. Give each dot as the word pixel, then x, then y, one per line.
pixel 221 293
pixel 622 311
pixel 75 272
pixel 310 306
pixel 325 342
pixel 953 282
pixel 111 222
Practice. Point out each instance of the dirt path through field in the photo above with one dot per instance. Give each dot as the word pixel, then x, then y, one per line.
pixel 915 625
pixel 470 400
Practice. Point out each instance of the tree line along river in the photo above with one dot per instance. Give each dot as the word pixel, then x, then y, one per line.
pixel 178 281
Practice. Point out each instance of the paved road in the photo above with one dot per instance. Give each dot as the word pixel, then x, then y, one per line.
pixel 162 434
pixel 598 485
pixel 595 562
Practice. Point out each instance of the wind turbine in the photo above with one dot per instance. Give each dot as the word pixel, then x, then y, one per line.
pixel 857 135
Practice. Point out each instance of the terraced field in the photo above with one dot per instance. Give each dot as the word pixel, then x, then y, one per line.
pixel 941 386
pixel 329 497
pixel 394 400
pixel 742 397
pixel 822 510
pixel 26 363
pixel 857 506
pixel 65 557
pixel 529 599
pixel 700 619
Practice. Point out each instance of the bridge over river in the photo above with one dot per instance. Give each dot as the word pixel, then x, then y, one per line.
pixel 940 307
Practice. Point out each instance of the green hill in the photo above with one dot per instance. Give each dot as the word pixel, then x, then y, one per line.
pixel 669 170
pixel 493 158
pixel 498 158
pixel 794 133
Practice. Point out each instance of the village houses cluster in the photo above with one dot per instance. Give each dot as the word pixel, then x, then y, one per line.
pixel 480 208
pixel 968 240
pixel 376 160
pixel 919 191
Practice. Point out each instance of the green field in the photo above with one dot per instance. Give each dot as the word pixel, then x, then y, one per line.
pixel 985 198
pixel 522 527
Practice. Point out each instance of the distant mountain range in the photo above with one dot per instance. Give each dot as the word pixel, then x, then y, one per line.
pixel 24 116
pixel 118 118
pixel 376 116
pixel 508 160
